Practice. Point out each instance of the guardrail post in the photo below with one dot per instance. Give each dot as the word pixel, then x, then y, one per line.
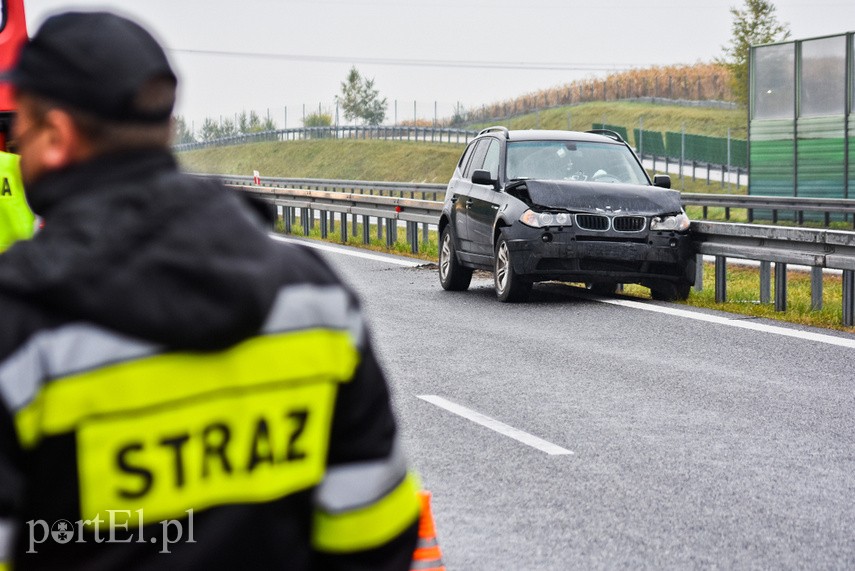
pixel 425 233
pixel 816 288
pixel 780 286
pixel 304 219
pixel 699 272
pixel 343 228
pixel 391 232
pixel 332 221
pixel 720 279
pixel 311 218
pixel 366 229
pixel 849 298
pixel 324 226
pixel 765 282
pixel 286 218
pixel 355 225
pixel 413 236
pixel 379 228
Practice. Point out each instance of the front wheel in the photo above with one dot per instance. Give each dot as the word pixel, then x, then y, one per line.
pixel 452 276
pixel 510 286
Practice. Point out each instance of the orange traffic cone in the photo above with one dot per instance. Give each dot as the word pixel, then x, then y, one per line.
pixel 427 556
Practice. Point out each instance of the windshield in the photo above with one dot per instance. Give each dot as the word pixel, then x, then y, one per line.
pixel 573 160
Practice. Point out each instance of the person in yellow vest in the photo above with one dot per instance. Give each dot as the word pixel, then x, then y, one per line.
pixel 16 219
pixel 163 360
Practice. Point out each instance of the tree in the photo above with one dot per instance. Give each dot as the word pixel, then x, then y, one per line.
pixel 360 100
pixel 319 119
pixel 181 133
pixel 754 25
pixel 210 130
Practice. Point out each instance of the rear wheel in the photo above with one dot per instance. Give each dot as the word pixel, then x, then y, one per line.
pixel 603 288
pixel 510 286
pixel 670 291
pixel 452 275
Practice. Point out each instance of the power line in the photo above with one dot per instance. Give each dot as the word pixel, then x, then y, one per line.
pixel 536 66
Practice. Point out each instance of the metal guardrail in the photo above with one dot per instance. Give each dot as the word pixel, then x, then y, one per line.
pixel 399 133
pixel 387 211
pixel 773 204
pixel 818 249
pixel 435 191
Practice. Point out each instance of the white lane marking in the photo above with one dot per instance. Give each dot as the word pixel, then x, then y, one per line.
pixel 740 323
pixel 337 250
pixel 495 425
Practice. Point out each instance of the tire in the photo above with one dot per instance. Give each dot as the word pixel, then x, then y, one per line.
pixel 452 276
pixel 670 291
pixel 603 288
pixel 510 286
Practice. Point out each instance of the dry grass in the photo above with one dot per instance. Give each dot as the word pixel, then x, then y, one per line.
pixel 699 82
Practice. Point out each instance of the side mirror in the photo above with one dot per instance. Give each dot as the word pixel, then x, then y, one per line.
pixel 662 180
pixel 483 177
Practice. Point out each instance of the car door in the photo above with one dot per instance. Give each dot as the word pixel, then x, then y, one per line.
pixel 462 195
pixel 485 203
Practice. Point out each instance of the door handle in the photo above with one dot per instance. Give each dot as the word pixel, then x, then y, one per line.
pixel 454 199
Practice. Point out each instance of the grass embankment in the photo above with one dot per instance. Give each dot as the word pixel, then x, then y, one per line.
pixel 425 162
pixel 398 161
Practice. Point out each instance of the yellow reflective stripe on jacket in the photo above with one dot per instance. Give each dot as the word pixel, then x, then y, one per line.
pixel 290 358
pixel 236 447
pixel 16 219
pixel 370 526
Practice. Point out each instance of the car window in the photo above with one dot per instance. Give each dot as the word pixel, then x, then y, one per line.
pixel 573 160
pixel 491 159
pixel 477 157
pixel 466 156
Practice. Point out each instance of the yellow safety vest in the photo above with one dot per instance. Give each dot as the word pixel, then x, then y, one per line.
pixel 16 219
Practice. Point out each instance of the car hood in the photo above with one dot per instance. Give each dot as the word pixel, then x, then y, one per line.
pixel 601 197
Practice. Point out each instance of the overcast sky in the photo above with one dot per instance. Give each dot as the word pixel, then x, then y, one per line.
pixel 437 53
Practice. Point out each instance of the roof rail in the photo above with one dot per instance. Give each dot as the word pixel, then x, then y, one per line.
pixel 496 128
pixel 607 133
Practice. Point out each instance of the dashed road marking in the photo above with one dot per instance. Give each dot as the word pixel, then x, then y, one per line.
pixel 497 426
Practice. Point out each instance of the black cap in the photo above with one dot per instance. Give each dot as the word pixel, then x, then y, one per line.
pixel 93 61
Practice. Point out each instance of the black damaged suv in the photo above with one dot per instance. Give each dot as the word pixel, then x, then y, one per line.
pixel 561 205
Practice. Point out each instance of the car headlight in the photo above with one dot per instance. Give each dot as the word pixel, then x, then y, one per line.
pixel 544 219
pixel 677 223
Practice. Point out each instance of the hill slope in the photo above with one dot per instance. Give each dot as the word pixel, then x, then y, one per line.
pixel 405 161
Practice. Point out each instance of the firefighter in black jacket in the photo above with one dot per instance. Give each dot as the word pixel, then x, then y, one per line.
pixel 177 390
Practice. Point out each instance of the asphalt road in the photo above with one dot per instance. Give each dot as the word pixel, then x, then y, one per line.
pixel 690 443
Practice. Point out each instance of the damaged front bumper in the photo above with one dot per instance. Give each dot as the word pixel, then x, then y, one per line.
pixel 567 254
